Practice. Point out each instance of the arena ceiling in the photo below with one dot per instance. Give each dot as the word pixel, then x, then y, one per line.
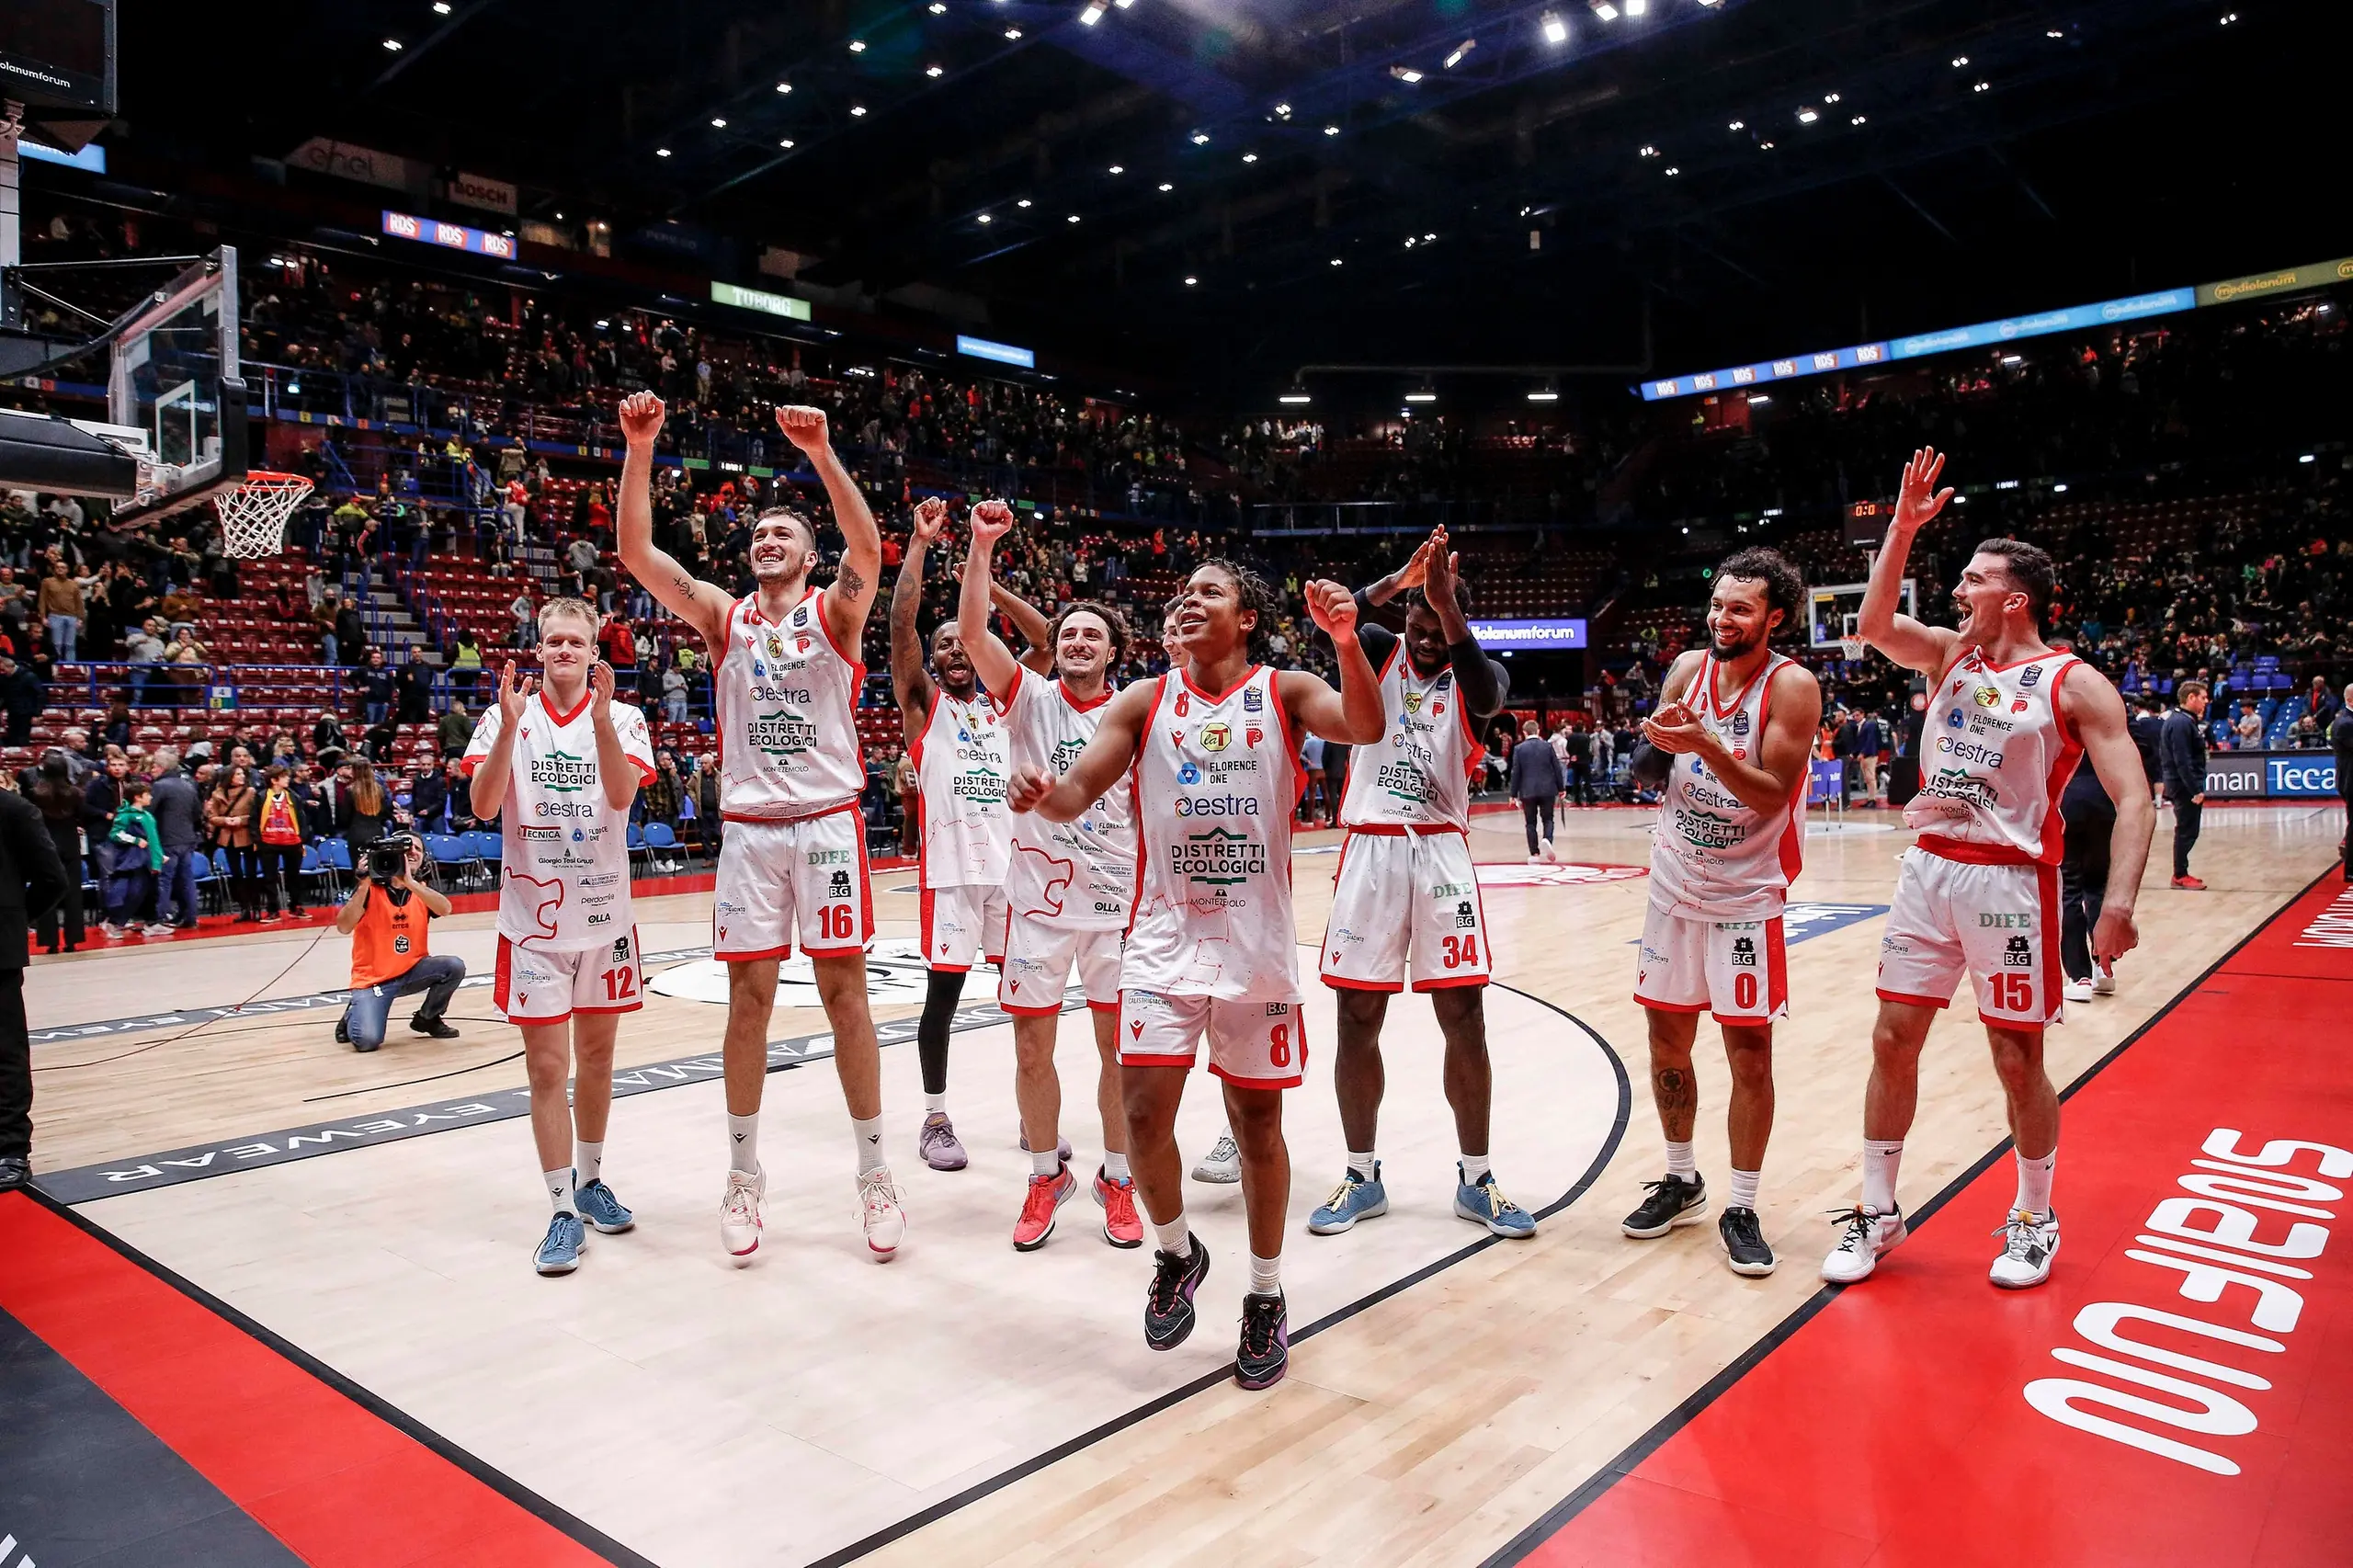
pixel 1223 190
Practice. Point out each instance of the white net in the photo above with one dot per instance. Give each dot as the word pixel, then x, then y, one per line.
pixel 1851 649
pixel 252 515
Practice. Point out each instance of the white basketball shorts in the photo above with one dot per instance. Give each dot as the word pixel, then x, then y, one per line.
pixel 961 924
pixel 535 986
pixel 1254 1045
pixel 1036 965
pixel 1738 971
pixel 1400 893
pixel 1999 923
pixel 811 870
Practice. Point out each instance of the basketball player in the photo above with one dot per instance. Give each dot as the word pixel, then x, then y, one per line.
pixel 1211 946
pixel 1222 1166
pixel 785 678
pixel 1068 894
pixel 1407 885
pixel 956 734
pixel 1727 748
pixel 557 761
pixel 1979 890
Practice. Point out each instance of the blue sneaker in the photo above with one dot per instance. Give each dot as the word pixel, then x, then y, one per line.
pixel 1356 1198
pixel 602 1209
pixel 560 1249
pixel 1482 1202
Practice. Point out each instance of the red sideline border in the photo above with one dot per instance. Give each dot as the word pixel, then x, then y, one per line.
pixel 300 1448
pixel 1546 1527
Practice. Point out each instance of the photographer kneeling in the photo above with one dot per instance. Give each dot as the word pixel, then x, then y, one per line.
pixel 386 918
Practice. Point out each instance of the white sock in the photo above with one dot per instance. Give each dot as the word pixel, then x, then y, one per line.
pixel 587 1161
pixel 1473 1168
pixel 1265 1275
pixel 1045 1161
pixel 560 1189
pixel 1680 1160
pixel 1115 1166
pixel 1176 1238
pixel 870 1144
pixel 1743 1187
pixel 1362 1164
pixel 2034 1182
pixel 938 1102
pixel 1881 1157
pixel 743 1143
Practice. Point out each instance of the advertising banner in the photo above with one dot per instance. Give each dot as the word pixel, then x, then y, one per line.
pixel 2287 280
pixel 2164 302
pixel 760 299
pixel 1536 635
pixel 480 190
pixel 2270 775
pixel 455 236
pixel 347 160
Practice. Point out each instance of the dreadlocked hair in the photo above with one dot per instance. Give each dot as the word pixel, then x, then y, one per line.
pixel 1250 592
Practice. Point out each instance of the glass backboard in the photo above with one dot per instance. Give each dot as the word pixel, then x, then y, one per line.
pixel 1837 609
pixel 173 375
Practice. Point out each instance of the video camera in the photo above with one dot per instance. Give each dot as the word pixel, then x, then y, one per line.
pixel 387 858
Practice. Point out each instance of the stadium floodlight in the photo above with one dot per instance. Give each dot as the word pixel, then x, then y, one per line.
pixel 1830 97
pixel 1737 125
pixel 938 8
pixel 1118 169
pixel 1249 157
pixel 984 217
pixel 393 44
pixel 1165 186
pixel 857 110
pixel 1429 239
pixel 1858 119
pixel 1465 47
pixel 1201 138
pixel 1405 73
pixel 2060 488
pixel 1331 131
pixel 718 122
pixel 857 46
pixel 1983 87
pixel 1338 262
pixel 1295 393
pixel 1013 35
pixel 786 144
pixel 1672 172
pixel 1190 282
pixel 1024 201
pixel 1958 61
pixel 1636 7
pixel 661 151
pixel 784 86
pixel 1092 15
pixel 1073 218
pixel 2227 20
pixel 1556 32
pixel 1763 146
pixel 1283 111
pixel 441 7
pixel 1808 115
pixel 2054 32
pixel 1648 151
pixel 1605 10
pixel 935 70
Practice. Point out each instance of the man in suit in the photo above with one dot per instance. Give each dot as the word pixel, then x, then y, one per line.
pixel 2340 741
pixel 2148 726
pixel 32 880
pixel 2181 752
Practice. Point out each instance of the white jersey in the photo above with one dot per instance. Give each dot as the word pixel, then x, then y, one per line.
pixel 1077 875
pixel 963 758
pixel 1714 857
pixel 1215 787
pixel 1995 757
pixel 565 850
pixel 784 698
pixel 1418 772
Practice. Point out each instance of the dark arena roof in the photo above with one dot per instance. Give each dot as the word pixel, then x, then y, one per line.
pixel 1205 196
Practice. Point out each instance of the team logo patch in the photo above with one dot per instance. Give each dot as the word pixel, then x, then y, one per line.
pixel 801 644
pixel 1254 700
pixel 1189 774
pixel 1986 696
pixel 800 616
pixel 2033 674
pixel 620 949
pixel 2019 706
pixel 1253 735
pixel 1216 737
pixel 1740 722
pixel 400 944
pixel 1438 710
pixel 775 645
pixel 1412 702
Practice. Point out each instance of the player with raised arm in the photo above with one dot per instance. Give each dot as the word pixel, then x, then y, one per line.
pixel 785 680
pixel 1213 945
pixel 2008 716
pixel 1069 893
pixel 1407 885
pixel 1727 750
pixel 558 762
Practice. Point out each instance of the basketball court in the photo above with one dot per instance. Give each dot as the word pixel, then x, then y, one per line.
pixel 292 1284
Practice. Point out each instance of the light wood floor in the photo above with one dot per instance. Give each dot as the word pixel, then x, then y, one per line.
pixel 1428 1429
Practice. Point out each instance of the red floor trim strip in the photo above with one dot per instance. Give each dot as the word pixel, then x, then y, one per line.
pixel 340 1476
pixel 2179 1392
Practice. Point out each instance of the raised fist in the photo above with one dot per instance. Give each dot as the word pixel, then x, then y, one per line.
pixel 1332 608
pixel 991 521
pixel 804 427
pixel 642 414
pixel 931 515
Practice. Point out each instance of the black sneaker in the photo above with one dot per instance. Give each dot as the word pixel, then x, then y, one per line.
pixel 1264 1353
pixel 1673 1201
pixel 343 1029
pixel 1168 1310
pixel 435 1028
pixel 15 1172
pixel 1745 1242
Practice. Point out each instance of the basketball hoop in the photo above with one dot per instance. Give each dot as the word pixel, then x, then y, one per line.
pixel 1851 650
pixel 253 514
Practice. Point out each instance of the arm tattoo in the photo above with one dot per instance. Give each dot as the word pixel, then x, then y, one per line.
pixel 851 584
pixel 684 585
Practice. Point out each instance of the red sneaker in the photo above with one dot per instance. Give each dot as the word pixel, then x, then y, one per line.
pixel 1046 1195
pixel 2190 884
pixel 1121 1225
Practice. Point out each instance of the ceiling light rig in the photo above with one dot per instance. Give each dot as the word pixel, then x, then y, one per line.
pixel 1092 15
pixel 1013 35
pixel 1201 138
pixel 1405 73
pixel 1858 119
pixel 1465 47
pixel 935 70
pixel 1737 125
pixel 1249 157
pixel 1636 7
pixel 1808 115
pixel 1165 186
pixel 1556 30
pixel 784 86
pixel 1022 202
pixel 1331 131
pixel 857 46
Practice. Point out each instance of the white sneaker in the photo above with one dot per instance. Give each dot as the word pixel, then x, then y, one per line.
pixel 739 1212
pixel 2029 1242
pixel 1552 853
pixel 1222 1164
pixel 2076 991
pixel 2103 978
pixel 1536 859
pixel 879 1210
pixel 1864 1233
pixel 158 929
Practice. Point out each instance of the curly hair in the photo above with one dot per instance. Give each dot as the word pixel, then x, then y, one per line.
pixel 1251 593
pixel 1112 620
pixel 1784 587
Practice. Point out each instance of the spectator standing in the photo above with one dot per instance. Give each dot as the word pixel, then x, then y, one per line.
pixel 278 832
pixel 363 810
pixel 1871 739
pixel 178 810
pixel 59 801
pixel 456 728
pixel 674 696
pixel 2148 727
pixel 2182 755
pixel 416 688
pixel 1580 778
pixel 229 813
pixel 22 697
pixel 32 880
pixel 137 857
pixel 465 667
pixel 63 606
pixel 351 634
pixel 377 689
pixel 2248 727
pixel 1536 783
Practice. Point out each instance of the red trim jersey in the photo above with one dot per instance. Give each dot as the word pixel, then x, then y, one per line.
pixel 565 850
pixel 963 758
pixel 1995 757
pixel 1714 857
pixel 1418 773
pixel 1216 781
pixel 1081 875
pixel 784 696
